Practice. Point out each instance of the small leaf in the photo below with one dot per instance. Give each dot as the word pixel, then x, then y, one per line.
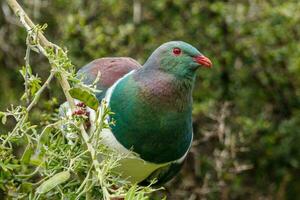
pixel 26 187
pixel 85 96
pixel 52 182
pixel 45 134
pixel 27 154
pixel 9 166
pixel 4 118
pixel 131 193
pixel 36 161
pixel 141 196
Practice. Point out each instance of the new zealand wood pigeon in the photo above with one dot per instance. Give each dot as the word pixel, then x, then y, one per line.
pixel 152 106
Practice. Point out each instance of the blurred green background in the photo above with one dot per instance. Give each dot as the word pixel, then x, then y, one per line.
pixel 246 108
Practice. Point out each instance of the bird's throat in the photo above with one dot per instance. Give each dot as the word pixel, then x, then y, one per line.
pixel 164 91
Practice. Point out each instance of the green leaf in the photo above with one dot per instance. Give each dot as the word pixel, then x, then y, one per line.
pixel 141 196
pixel 26 187
pixel 52 182
pixel 8 166
pixel 27 154
pixel 45 134
pixel 131 193
pixel 4 119
pixel 36 161
pixel 85 96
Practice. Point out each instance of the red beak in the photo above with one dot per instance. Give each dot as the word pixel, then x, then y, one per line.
pixel 202 60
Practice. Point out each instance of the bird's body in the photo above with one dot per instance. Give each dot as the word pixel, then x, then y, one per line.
pixel 152 106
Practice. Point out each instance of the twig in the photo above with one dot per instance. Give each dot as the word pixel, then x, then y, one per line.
pixel 27 61
pixel 137 11
pixel 40 91
pixel 33 103
pixel 27 23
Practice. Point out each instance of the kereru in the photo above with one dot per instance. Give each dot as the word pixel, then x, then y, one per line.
pixel 152 106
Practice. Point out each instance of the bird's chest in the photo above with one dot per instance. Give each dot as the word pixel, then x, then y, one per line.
pixel 154 120
pixel 157 135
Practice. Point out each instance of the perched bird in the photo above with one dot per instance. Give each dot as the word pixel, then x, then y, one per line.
pixel 152 106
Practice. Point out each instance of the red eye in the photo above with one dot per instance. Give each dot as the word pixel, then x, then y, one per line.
pixel 176 51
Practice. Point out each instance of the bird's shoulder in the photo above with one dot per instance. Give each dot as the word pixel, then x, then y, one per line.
pixel 108 69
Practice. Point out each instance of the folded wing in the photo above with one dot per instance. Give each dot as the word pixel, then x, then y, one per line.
pixel 109 71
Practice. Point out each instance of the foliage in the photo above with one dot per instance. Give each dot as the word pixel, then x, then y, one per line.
pixel 246 109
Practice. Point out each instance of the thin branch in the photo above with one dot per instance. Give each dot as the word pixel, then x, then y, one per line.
pixel 27 65
pixel 33 103
pixel 27 23
pixel 40 91
pixel 137 11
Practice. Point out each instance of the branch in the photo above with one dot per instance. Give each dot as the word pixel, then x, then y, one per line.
pixel 26 73
pixel 27 23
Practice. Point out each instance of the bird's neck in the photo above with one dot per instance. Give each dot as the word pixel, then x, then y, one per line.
pixel 163 90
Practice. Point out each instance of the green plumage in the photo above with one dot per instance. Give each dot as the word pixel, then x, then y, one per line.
pixel 156 122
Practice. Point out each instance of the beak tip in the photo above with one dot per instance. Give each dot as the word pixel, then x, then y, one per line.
pixel 202 60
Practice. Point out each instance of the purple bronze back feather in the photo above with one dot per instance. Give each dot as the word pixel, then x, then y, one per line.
pixel 110 69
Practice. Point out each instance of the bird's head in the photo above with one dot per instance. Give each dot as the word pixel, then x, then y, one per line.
pixel 178 58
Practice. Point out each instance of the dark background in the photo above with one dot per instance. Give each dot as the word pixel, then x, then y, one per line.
pixel 246 108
